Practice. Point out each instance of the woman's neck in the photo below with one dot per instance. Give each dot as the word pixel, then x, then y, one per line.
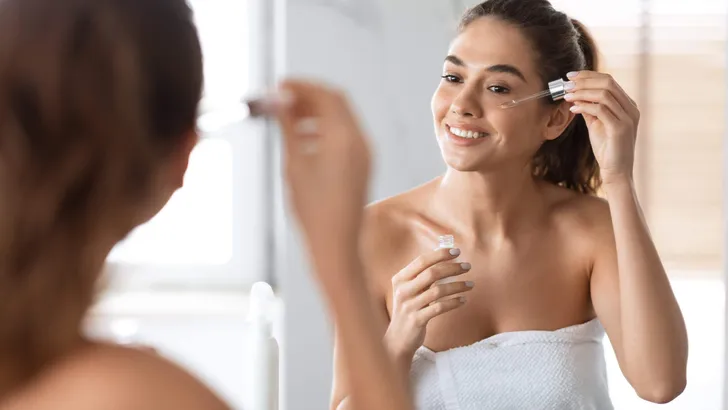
pixel 480 205
pixel 66 310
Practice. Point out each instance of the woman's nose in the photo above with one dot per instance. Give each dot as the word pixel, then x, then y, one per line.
pixel 467 104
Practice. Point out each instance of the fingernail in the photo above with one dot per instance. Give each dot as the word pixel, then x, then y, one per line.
pixel 454 251
pixel 569 85
pixel 282 98
pixel 462 299
pixel 465 266
pixel 469 284
pixel 568 96
pixel 307 126
pixel 574 108
pixel 572 74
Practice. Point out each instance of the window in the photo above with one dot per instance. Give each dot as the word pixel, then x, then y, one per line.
pixel 669 55
pixel 213 230
pixel 682 158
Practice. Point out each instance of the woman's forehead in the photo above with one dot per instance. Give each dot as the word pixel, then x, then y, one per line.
pixel 488 41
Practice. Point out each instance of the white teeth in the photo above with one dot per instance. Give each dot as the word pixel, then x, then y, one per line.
pixel 467 134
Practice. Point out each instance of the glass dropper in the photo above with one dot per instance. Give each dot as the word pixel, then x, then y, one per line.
pixel 216 118
pixel 557 90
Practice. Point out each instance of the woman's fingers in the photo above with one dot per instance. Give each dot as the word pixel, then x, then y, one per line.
pixel 424 262
pixel 441 271
pixel 438 308
pixel 305 111
pixel 404 291
pixel 598 97
pixel 596 110
pixel 438 292
pixel 591 80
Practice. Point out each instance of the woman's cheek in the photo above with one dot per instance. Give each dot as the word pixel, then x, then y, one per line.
pixel 441 102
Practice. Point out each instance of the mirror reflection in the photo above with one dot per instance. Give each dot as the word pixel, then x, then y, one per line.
pixel 445 205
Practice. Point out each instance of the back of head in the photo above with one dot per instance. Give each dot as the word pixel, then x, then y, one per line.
pixel 94 95
pixel 561 45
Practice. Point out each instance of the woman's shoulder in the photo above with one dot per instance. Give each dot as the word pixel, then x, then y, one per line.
pixel 389 224
pixel 105 376
pixel 392 217
pixel 577 211
pixel 384 221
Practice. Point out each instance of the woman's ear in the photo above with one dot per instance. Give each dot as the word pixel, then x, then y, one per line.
pixel 559 119
pixel 181 157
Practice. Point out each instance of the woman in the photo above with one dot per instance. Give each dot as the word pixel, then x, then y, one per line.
pixel 98 104
pixel 542 263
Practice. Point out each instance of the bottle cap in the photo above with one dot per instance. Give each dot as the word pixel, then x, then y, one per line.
pixel 557 89
pixel 446 241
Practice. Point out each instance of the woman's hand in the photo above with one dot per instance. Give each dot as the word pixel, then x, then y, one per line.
pixel 612 118
pixel 327 170
pixel 327 164
pixel 416 301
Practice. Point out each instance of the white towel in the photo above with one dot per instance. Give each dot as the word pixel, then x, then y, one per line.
pixel 561 370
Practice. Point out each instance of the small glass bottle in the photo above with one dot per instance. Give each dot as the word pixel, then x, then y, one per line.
pixel 446 241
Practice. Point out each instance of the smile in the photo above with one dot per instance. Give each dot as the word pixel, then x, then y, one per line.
pixel 465 138
pixel 466 134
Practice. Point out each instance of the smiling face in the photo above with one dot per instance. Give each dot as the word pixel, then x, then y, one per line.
pixel 489 63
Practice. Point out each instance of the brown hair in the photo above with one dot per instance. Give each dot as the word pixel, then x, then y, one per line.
pixel 93 95
pixel 561 45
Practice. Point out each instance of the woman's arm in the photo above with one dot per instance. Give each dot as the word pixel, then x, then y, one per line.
pixel 630 290
pixel 361 362
pixel 375 246
pixel 327 170
pixel 340 389
pixel 633 298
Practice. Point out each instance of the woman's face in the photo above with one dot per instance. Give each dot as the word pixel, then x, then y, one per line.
pixel 490 62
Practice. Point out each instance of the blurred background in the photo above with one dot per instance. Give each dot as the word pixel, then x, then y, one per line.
pixel 180 283
pixel 670 56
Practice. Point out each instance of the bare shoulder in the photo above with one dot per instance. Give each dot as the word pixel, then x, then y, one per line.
pixel 382 225
pixel 387 228
pixel 385 221
pixel 588 216
pixel 110 377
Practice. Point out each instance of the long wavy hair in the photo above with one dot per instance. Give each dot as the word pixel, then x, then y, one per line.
pixel 93 95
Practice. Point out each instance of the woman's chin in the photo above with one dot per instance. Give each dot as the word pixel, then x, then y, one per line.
pixel 464 160
pixel 465 164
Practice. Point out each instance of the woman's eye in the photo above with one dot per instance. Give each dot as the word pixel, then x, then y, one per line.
pixel 498 89
pixel 451 78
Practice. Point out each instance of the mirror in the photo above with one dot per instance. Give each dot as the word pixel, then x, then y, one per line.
pixel 388 55
pixel 188 295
